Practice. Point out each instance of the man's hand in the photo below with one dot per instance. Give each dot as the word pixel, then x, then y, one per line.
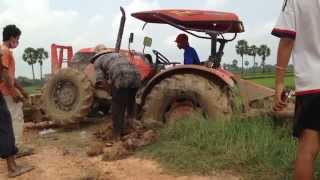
pixel 21 90
pixel 25 94
pixel 279 102
pixel 101 84
pixel 17 96
pixel 104 85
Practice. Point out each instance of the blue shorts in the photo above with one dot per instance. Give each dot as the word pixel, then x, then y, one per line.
pixel 306 113
pixel 7 139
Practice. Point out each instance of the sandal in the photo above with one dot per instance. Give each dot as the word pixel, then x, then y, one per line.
pixel 20 170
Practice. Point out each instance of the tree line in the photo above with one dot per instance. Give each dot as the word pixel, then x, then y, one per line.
pixel 243 48
pixel 33 56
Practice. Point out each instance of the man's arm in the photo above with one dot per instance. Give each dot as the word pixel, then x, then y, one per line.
pixel 6 79
pixel 196 57
pixel 284 53
pixel 188 57
pixel 21 89
pixel 10 84
pixel 102 75
pixel 191 56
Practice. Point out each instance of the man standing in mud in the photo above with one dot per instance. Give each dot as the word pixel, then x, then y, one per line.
pixel 115 70
pixel 13 92
pixel 298 28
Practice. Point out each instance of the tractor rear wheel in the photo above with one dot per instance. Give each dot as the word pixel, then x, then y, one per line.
pixel 67 97
pixel 185 93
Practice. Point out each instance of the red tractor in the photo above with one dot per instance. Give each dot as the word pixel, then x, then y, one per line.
pixel 207 89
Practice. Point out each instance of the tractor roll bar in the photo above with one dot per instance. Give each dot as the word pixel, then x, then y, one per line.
pixel 215 56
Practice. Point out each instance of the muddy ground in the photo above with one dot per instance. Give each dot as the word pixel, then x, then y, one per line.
pixel 62 155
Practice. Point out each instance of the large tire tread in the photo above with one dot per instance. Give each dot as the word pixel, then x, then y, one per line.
pixel 82 105
pixel 215 98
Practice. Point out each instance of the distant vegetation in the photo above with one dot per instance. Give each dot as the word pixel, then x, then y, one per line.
pixel 260 73
pixel 244 49
pixel 33 56
pixel 264 77
pixel 30 85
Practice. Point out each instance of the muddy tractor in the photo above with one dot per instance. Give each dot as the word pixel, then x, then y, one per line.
pixel 169 89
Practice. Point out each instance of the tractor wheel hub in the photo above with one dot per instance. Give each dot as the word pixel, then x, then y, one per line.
pixel 65 95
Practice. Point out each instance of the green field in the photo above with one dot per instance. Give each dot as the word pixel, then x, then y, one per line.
pixel 32 89
pixel 268 79
pixel 270 82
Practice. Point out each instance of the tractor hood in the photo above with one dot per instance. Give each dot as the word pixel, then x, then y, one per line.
pixel 197 20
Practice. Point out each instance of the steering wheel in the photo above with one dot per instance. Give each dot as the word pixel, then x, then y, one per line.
pixel 160 57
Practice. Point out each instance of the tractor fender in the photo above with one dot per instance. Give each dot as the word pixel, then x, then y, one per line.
pixel 220 76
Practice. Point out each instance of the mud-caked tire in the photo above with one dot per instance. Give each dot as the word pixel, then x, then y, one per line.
pixel 67 97
pixel 212 98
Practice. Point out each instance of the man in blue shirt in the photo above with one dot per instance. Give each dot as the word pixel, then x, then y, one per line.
pixel 190 54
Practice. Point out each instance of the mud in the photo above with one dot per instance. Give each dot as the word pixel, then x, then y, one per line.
pixel 138 136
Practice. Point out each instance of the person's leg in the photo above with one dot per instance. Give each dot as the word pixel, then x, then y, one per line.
pixel 308 148
pixel 14 170
pixel 124 101
pixel 15 110
pixel 131 108
pixel 118 111
pixel 7 139
pixel 7 142
pixel 131 103
pixel 11 164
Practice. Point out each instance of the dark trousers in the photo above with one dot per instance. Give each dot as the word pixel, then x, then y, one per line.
pixel 123 102
pixel 7 139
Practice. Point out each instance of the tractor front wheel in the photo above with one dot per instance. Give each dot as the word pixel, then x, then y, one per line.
pixel 67 97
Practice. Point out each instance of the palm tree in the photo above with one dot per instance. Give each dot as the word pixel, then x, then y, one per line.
pixel 253 51
pixel 41 55
pixel 264 51
pixel 234 63
pixel 242 49
pixel 246 63
pixel 225 66
pixel 30 56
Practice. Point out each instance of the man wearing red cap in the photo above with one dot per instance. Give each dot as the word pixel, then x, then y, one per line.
pixel 190 54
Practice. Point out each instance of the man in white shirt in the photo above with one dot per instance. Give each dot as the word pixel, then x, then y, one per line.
pixel 298 30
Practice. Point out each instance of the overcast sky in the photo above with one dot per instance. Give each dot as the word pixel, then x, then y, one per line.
pixel 84 23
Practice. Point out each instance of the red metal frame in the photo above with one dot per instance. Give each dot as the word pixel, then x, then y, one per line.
pixel 57 56
pixel 197 20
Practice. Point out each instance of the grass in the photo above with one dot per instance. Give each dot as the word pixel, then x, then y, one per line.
pixel 256 149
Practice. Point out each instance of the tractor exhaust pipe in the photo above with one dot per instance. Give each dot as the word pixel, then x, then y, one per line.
pixel 121 29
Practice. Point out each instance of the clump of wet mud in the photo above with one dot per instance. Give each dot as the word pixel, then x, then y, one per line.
pixel 112 148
